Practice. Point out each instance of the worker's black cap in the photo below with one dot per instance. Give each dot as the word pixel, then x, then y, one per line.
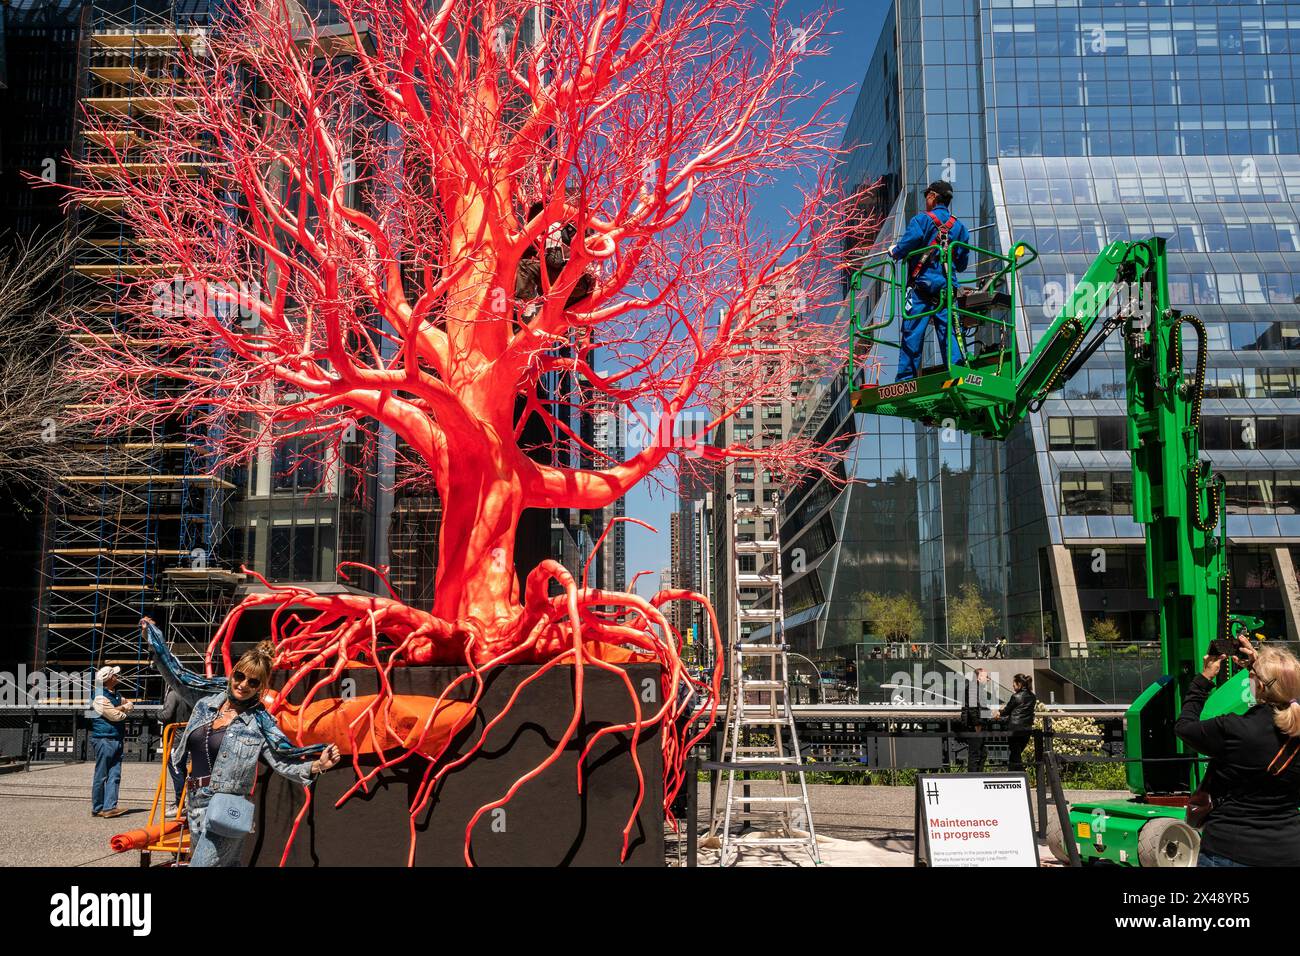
pixel 942 189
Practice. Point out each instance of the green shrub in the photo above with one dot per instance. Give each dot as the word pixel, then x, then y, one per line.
pixel 1078 776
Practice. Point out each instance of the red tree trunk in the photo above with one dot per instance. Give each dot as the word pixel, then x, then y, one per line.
pixel 482 500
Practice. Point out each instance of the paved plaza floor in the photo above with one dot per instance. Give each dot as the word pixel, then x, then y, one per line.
pixel 45 815
pixel 45 821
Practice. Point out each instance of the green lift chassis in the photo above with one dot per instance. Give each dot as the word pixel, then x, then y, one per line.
pixel 1175 498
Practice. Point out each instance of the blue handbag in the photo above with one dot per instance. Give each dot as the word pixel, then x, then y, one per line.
pixel 229 815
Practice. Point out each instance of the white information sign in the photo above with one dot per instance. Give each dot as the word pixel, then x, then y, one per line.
pixel 974 820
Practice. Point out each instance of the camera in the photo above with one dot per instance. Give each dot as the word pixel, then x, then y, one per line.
pixel 1223 645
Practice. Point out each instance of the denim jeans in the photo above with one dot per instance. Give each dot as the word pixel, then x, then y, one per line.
pixel 1209 859
pixel 178 783
pixel 108 773
pixel 911 343
pixel 209 849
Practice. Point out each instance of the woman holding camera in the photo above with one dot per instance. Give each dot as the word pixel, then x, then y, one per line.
pixel 1253 778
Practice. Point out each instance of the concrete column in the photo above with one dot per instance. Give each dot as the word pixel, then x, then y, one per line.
pixel 1284 568
pixel 1065 593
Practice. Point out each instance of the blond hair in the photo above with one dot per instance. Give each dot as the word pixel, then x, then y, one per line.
pixel 259 660
pixel 1277 681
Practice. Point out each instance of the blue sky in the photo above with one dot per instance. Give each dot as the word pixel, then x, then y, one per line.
pixel 854 27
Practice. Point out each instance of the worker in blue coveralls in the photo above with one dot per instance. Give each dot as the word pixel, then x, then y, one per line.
pixel 926 283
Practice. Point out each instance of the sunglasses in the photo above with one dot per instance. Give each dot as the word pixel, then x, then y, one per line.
pixel 239 677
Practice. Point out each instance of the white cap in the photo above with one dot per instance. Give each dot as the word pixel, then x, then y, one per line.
pixel 104 673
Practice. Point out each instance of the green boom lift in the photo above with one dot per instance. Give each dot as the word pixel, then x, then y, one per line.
pixel 1175 498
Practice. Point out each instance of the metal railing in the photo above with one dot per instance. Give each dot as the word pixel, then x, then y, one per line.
pixel 1114 672
pixel 990 650
pixel 60 734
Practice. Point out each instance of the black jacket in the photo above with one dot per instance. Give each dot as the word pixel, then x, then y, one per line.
pixel 1018 712
pixel 1256 815
pixel 174 709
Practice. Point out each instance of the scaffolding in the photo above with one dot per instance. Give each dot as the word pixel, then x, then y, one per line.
pixel 193 602
pixel 135 526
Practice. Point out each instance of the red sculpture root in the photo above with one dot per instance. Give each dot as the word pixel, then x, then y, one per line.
pixel 579 628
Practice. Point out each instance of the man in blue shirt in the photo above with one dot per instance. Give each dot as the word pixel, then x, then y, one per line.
pixel 107 733
pixel 927 284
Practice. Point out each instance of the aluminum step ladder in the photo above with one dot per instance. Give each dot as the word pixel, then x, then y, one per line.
pixel 759 698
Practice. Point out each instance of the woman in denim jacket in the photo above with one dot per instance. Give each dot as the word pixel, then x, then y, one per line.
pixel 228 732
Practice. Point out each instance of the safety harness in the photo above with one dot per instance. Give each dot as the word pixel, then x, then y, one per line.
pixel 940 244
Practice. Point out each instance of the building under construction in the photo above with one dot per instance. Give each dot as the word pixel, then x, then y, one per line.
pixel 139 524
pixel 135 525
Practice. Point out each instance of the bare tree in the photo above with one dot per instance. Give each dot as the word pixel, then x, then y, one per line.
pixel 36 449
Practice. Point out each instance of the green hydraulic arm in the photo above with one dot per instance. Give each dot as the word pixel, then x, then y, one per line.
pixel 1175 498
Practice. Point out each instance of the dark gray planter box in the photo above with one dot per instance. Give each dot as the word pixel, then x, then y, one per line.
pixel 547 823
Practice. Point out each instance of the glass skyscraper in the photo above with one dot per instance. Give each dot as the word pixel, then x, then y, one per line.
pixel 1070 125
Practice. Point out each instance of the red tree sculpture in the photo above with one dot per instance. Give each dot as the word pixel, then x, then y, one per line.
pixel 418 218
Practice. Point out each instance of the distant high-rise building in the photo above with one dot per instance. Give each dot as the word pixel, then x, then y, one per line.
pixel 678 572
pixel 691 553
pixel 40 41
pixel 609 436
pixel 747 484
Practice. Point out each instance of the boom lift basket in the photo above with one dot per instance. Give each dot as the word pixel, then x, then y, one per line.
pixel 973 395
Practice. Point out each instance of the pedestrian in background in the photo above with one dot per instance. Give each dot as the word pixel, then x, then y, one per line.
pixel 107 734
pixel 972 719
pixel 1018 712
pixel 174 711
